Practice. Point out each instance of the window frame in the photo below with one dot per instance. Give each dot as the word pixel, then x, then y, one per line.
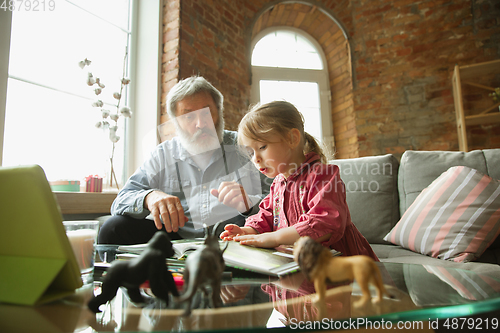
pixel 320 77
pixel 145 88
pixel 145 95
pixel 5 30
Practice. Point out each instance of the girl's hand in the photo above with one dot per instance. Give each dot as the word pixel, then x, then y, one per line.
pixel 232 230
pixel 265 240
pixel 231 294
pixel 285 236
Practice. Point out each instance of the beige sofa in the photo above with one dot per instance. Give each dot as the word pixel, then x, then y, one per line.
pixel 380 189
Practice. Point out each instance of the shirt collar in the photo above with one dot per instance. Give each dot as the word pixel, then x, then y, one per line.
pixel 311 158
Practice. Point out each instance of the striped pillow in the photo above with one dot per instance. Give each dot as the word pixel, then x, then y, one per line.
pixel 469 285
pixel 455 218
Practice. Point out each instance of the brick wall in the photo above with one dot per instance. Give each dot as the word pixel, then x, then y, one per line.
pixel 398 95
pixel 170 58
pixel 405 52
pixel 211 43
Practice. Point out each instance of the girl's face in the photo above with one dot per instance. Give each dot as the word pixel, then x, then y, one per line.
pixel 272 156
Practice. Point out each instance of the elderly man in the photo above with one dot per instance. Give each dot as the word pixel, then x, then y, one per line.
pixel 190 180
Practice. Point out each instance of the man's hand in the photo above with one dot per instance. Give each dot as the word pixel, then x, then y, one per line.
pixel 232 194
pixel 168 207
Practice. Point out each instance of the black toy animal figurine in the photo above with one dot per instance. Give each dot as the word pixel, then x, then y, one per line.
pixel 150 265
pixel 204 267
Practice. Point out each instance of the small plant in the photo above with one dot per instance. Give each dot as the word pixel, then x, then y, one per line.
pixel 495 95
pixel 106 114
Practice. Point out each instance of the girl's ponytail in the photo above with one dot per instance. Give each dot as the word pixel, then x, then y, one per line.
pixel 311 145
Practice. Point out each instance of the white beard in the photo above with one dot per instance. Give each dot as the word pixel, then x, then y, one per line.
pixel 195 145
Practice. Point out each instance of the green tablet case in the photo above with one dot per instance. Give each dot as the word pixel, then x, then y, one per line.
pixel 37 263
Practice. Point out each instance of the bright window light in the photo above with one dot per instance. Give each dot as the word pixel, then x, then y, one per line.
pixel 49 118
pixel 286 49
pixel 288 64
pixel 304 95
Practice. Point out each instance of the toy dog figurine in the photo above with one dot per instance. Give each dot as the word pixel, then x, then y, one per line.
pixel 318 265
pixel 204 266
pixel 150 265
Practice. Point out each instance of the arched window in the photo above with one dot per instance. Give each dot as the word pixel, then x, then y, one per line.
pixel 288 64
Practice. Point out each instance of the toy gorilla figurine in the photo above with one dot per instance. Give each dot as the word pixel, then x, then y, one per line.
pixel 150 265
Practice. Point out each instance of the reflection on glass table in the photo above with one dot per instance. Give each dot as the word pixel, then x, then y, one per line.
pixel 251 301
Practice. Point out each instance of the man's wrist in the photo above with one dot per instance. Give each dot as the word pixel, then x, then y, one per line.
pixel 145 200
pixel 247 213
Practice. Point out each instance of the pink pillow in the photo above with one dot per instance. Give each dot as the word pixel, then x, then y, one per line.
pixel 467 284
pixel 455 218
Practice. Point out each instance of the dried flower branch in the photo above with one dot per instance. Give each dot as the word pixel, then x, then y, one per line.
pixel 105 114
pixel 495 95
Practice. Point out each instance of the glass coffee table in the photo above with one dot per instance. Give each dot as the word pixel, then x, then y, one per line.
pixel 422 295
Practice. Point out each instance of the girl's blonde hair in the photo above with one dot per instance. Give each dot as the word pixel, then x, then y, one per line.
pixel 277 117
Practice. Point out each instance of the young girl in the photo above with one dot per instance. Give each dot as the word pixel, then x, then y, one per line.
pixel 307 196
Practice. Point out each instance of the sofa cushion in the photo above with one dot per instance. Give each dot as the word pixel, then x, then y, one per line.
pixel 441 286
pixel 492 157
pixel 418 169
pixel 397 254
pixel 372 196
pixel 457 217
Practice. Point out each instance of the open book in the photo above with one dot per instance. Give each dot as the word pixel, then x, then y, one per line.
pixel 265 261
pixel 181 247
pixel 275 262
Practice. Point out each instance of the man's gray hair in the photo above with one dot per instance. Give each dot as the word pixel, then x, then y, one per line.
pixel 189 87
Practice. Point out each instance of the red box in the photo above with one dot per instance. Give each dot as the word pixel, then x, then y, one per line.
pixel 94 184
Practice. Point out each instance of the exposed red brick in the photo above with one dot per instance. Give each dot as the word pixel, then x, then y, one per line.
pixel 404 53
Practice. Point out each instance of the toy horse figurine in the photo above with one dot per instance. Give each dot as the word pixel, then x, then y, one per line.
pixel 204 267
pixel 150 265
pixel 318 265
